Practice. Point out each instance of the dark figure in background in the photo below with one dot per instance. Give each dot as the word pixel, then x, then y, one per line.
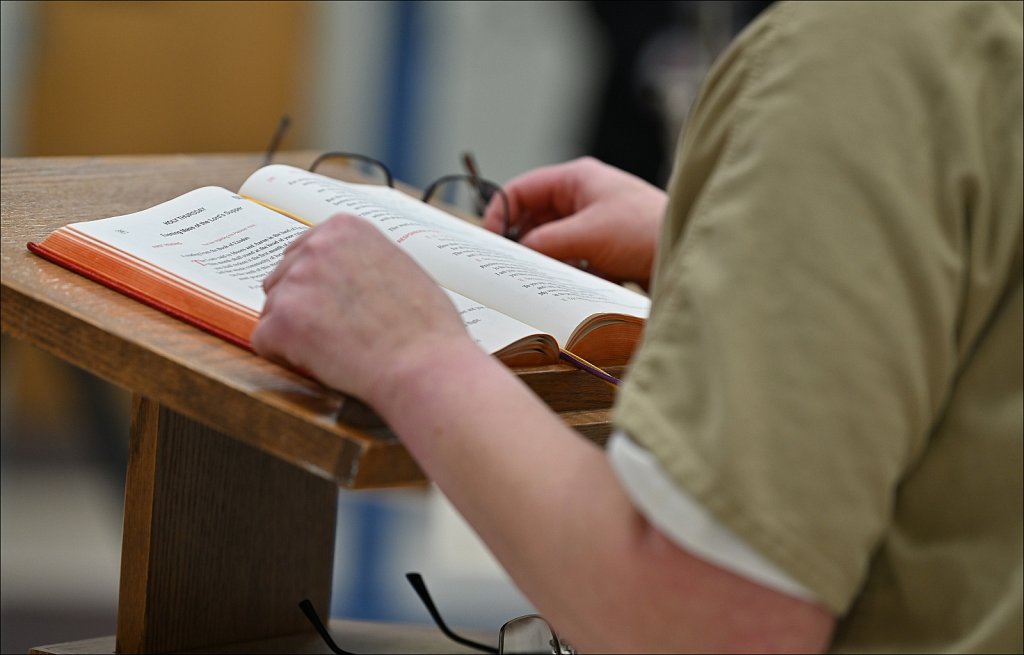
pixel 631 130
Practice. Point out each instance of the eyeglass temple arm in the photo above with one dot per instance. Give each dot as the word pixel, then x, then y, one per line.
pixel 307 608
pixel 469 162
pixel 481 185
pixel 416 580
pixel 275 141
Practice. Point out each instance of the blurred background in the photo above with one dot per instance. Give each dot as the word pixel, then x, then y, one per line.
pixel 414 84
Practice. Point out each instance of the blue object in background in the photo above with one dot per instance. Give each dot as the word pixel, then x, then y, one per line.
pixel 370 518
pixel 407 72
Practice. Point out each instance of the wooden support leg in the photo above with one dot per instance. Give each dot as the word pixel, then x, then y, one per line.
pixel 221 541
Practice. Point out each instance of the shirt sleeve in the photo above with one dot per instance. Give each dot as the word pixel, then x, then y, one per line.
pixel 672 511
pixel 802 337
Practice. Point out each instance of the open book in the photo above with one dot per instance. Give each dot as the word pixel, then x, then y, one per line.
pixel 202 257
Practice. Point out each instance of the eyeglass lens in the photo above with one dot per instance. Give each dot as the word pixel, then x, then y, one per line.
pixel 529 634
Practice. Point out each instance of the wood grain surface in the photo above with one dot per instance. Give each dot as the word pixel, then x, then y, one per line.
pixel 221 540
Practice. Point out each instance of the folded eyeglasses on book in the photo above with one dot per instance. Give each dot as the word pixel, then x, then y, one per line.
pixel 484 190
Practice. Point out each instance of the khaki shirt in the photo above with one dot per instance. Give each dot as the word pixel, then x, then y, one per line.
pixel 833 363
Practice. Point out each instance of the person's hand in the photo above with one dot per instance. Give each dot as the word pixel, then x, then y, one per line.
pixel 584 210
pixel 347 306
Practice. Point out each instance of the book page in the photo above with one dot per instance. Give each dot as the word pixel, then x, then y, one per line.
pixel 216 241
pixel 210 237
pixel 545 293
pixel 490 329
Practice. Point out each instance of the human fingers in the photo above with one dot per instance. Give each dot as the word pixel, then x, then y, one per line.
pixel 329 314
pixel 271 336
pixel 580 239
pixel 287 260
pixel 309 293
pixel 612 241
pixel 568 239
pixel 537 196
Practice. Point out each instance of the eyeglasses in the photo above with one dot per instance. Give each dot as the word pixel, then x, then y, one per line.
pixel 445 187
pixel 484 189
pixel 524 634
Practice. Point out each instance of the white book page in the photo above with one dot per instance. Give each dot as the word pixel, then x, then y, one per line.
pixel 547 294
pixel 216 240
pixel 210 237
pixel 491 330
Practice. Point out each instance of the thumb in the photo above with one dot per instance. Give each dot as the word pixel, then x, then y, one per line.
pixel 568 239
pixel 494 215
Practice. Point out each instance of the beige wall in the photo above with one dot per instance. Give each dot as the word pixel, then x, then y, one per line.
pixel 151 77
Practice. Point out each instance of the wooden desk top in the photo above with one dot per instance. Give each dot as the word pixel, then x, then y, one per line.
pixel 181 367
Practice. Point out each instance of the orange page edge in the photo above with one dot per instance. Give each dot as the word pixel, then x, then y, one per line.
pixel 147 299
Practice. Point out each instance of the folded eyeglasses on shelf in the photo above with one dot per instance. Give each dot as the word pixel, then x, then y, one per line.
pixel 523 634
pixel 483 189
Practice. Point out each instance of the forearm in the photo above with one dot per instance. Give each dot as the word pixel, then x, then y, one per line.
pixel 536 492
pixel 544 500
pixel 548 505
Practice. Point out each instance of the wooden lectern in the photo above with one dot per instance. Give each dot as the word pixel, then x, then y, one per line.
pixel 233 461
